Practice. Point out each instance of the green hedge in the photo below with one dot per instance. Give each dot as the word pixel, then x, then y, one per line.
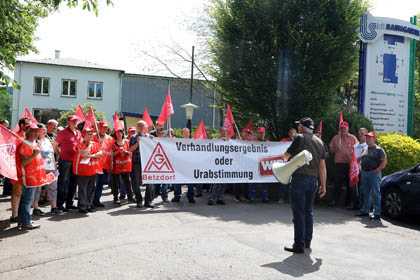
pixel 402 151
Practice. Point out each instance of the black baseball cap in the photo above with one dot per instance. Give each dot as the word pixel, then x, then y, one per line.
pixel 306 122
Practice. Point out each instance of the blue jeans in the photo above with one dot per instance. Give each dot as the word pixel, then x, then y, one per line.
pixel 371 190
pixel 25 205
pixel 302 195
pixel 178 191
pixel 101 180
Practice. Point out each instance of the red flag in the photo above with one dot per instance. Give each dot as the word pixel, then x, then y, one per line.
pixel 167 109
pixel 79 113
pixel 147 118
pixel 320 128
pixel 200 132
pixel 27 115
pixel 229 123
pixel 8 143
pixel 341 118
pixel 118 124
pixel 90 119
pixel 354 171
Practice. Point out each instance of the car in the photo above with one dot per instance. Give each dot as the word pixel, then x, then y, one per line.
pixel 401 193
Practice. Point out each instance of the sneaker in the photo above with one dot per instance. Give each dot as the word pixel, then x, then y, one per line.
pixel 29 227
pixel 376 217
pixel 38 212
pixel 13 219
pixel 56 211
pixel 99 205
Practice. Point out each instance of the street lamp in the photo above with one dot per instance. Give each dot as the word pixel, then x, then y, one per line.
pixel 189 111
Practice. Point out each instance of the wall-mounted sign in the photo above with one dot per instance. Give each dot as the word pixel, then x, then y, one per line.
pixel 386 74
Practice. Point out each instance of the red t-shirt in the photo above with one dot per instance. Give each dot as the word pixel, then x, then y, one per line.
pixel 33 173
pixel 68 141
pixel 83 166
pixel 122 158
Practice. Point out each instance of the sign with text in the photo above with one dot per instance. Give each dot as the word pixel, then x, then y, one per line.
pixel 181 161
pixel 386 80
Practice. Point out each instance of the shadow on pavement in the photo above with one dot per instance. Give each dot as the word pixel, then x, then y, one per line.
pixel 297 265
pixel 10 231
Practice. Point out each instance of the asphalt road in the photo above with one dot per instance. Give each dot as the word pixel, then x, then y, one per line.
pixel 183 241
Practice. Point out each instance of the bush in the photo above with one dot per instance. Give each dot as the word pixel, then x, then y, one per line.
pixel 402 151
pixel 62 121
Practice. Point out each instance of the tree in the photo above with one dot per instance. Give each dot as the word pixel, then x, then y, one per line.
pixel 5 106
pixel 18 23
pixel 278 61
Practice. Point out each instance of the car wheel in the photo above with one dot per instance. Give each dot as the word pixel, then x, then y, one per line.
pixel 392 203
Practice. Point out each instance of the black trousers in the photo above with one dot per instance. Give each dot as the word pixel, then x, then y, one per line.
pixel 122 180
pixel 136 181
pixel 86 191
pixel 341 179
pixel 66 185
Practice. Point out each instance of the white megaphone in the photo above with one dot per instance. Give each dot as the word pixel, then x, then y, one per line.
pixel 283 171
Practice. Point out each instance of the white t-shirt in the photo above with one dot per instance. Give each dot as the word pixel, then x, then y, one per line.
pixel 360 149
pixel 47 152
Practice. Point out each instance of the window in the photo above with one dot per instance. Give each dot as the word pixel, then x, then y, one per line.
pixel 95 90
pixel 44 115
pixel 69 88
pixel 41 86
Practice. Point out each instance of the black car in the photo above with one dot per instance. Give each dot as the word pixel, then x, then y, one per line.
pixel 401 193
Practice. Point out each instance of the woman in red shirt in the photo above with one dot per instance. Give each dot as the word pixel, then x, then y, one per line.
pixel 33 175
pixel 121 167
pixel 85 166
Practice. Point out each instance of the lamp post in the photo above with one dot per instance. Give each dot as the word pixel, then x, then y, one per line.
pixel 189 111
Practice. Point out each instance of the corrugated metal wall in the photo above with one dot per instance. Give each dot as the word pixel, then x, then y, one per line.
pixel 139 91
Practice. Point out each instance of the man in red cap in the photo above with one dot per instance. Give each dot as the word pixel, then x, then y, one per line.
pixel 106 142
pixel 67 141
pixel 342 146
pixel 372 162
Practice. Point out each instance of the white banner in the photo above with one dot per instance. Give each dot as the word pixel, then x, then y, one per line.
pixel 180 161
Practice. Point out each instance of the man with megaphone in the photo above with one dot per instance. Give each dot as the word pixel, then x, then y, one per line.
pixel 304 182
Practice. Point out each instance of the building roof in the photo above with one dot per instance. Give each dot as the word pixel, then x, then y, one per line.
pixel 71 62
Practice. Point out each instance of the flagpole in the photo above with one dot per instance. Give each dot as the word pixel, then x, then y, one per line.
pixel 237 130
pixel 96 125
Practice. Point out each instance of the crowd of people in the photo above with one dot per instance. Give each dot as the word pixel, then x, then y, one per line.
pixel 58 164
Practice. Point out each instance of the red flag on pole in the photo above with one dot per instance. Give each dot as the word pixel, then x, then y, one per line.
pixel 167 109
pixel 147 118
pixel 118 124
pixel 320 128
pixel 79 113
pixel 354 171
pixel 8 143
pixel 341 118
pixel 200 132
pixel 27 115
pixel 90 120
pixel 229 123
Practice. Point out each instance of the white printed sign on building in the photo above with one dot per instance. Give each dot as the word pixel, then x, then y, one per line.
pixel 181 161
pixel 386 72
